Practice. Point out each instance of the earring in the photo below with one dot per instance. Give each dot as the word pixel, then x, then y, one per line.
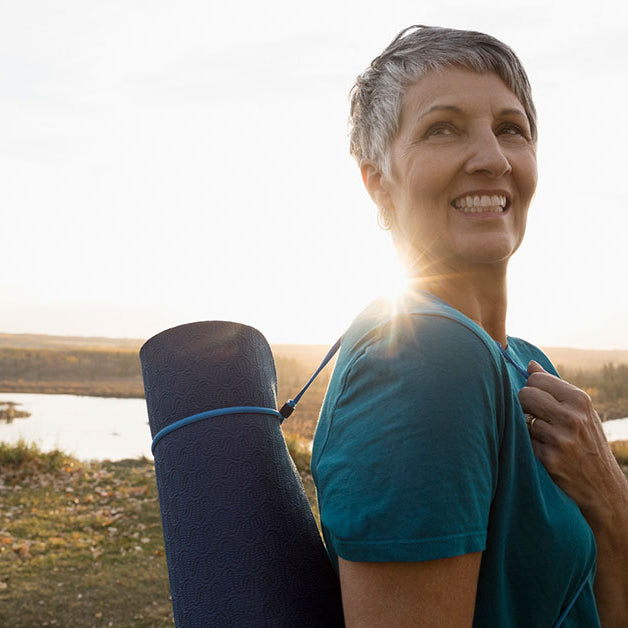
pixel 384 219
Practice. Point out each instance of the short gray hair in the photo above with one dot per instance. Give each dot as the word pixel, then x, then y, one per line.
pixel 377 96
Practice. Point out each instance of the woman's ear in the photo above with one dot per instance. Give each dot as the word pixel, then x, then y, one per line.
pixel 375 183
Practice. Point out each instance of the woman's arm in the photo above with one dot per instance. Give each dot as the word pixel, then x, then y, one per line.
pixel 421 594
pixel 406 472
pixel 569 440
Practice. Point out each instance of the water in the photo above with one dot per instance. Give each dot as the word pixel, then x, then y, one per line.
pixel 90 428
pixel 617 429
pixel 95 428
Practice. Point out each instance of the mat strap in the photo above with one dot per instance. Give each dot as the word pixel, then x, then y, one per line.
pixel 208 415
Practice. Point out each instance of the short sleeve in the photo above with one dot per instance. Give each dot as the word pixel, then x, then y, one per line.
pixel 407 469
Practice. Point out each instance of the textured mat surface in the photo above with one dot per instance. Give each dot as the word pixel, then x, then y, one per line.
pixel 241 543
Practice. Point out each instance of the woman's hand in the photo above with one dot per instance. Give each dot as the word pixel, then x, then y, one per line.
pixel 567 437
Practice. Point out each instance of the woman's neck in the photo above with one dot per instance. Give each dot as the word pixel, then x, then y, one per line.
pixel 481 295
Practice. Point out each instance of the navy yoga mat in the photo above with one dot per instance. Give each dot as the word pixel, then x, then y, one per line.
pixel 241 542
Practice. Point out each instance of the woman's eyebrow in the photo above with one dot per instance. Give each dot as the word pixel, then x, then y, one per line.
pixel 513 111
pixel 434 108
pixel 458 110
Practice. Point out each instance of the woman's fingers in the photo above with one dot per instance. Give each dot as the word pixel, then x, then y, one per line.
pixel 541 430
pixel 539 403
pixel 558 388
pixel 535 367
pixel 545 454
pixel 554 400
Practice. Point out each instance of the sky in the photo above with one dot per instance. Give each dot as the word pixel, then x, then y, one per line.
pixel 163 162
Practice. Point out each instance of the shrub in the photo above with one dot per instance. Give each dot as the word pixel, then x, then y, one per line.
pixel 27 457
pixel 620 451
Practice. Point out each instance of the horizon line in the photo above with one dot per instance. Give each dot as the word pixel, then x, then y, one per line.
pixel 131 339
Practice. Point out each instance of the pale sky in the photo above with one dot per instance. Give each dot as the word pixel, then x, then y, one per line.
pixel 170 161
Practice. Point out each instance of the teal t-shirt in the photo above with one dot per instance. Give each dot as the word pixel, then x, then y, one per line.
pixel 422 452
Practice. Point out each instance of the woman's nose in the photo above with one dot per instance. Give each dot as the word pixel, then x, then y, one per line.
pixel 487 156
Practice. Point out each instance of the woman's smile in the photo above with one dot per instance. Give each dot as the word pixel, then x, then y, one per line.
pixel 482 203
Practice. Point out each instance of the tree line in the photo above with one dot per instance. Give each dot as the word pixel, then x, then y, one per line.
pixel 607 384
pixel 72 365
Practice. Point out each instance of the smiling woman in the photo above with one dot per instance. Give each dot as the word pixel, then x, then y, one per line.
pixel 462 172
pixel 449 455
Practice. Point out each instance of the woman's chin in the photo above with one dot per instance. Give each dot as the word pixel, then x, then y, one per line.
pixel 496 250
pixel 486 254
pixel 489 257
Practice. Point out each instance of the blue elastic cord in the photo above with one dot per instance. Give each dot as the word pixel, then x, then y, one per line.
pixel 288 408
pixel 284 413
pixel 519 368
pixel 208 415
pixel 564 614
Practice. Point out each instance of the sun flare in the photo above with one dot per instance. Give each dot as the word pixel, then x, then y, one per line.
pixel 396 288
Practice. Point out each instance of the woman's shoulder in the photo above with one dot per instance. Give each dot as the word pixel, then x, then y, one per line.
pixel 420 322
pixel 420 354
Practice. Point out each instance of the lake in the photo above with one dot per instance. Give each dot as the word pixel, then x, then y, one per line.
pixel 90 428
pixel 97 428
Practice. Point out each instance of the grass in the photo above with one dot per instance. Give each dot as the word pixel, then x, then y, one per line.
pixel 81 543
pixel 24 459
pixel 299 449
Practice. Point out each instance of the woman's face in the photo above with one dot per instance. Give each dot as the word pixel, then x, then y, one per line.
pixel 463 171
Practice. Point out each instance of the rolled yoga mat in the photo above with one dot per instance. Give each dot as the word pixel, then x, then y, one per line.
pixel 242 545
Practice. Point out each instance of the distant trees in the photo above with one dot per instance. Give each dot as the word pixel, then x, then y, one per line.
pixel 75 365
pixel 613 383
pixel 608 388
pixel 609 383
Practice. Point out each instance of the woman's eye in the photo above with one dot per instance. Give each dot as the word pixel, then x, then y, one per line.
pixel 439 129
pixel 512 129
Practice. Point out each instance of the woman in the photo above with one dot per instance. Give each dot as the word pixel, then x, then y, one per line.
pixel 460 481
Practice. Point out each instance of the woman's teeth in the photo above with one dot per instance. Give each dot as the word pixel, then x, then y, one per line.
pixel 483 203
